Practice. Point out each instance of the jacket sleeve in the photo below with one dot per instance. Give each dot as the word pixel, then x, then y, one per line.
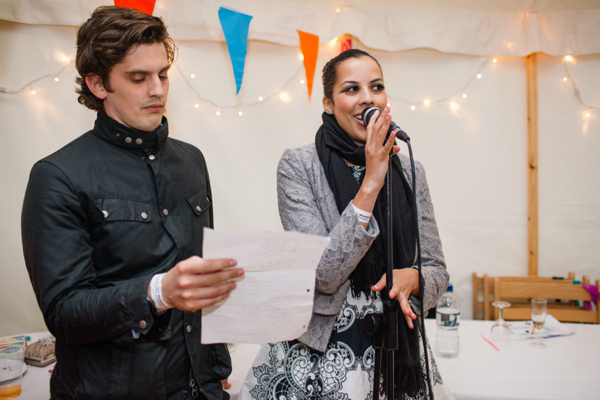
pixel 58 252
pixel 433 265
pixel 300 211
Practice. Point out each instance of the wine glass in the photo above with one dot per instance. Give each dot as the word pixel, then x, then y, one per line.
pixel 500 330
pixel 539 310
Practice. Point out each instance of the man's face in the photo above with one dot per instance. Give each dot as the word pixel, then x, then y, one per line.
pixel 139 87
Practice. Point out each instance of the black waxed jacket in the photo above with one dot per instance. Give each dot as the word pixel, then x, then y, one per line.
pixel 100 217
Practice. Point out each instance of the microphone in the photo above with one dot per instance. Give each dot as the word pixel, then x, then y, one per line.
pixel 368 113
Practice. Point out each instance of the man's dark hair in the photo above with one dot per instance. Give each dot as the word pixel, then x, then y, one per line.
pixel 104 40
pixel 330 69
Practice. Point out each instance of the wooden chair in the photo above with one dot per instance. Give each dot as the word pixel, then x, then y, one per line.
pixel 482 289
pixel 483 292
pixel 561 295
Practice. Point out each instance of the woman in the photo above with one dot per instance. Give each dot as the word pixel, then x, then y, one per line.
pixel 333 188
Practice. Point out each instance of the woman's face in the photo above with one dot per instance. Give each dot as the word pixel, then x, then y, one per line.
pixel 358 85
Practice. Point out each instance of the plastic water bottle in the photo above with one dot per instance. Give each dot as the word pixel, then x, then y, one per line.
pixel 447 316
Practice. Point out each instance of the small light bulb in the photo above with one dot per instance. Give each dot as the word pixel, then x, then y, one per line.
pixel 32 90
pixel 464 95
pixel 495 60
pixel 568 58
pixel 426 102
pixel 338 10
pixel 478 76
pixel 302 81
pixel 260 98
pixel 333 41
pixel 197 105
pixel 284 97
pixel 565 78
pixel 588 113
pixel 240 113
pixel 218 112
pixel 412 107
pixel 55 79
pixel 192 76
pixel 301 57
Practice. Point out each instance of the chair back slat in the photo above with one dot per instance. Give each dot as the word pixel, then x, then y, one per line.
pixel 562 295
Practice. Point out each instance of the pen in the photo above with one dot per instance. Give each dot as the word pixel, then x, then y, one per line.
pixel 491 344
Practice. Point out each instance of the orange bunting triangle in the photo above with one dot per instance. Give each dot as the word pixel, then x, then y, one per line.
pixel 309 44
pixel 145 6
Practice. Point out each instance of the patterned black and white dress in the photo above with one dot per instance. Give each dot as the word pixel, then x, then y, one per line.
pixel 294 371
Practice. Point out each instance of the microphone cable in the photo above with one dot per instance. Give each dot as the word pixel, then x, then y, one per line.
pixel 421 281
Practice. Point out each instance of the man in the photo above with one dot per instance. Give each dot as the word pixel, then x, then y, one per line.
pixel 112 231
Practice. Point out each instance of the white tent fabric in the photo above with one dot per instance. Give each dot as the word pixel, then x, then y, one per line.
pixel 481 28
pixel 474 149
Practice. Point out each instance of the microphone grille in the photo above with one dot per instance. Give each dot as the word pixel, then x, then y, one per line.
pixel 368 113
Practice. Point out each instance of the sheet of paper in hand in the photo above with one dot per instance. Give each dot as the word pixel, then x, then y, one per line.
pixel 273 300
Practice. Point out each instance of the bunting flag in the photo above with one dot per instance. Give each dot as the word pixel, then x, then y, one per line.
pixel 346 43
pixel 309 45
pixel 235 27
pixel 145 6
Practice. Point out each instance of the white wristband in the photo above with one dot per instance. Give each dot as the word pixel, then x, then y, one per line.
pixel 156 293
pixel 363 216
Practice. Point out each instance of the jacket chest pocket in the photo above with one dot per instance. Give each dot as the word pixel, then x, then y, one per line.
pixel 199 201
pixel 119 209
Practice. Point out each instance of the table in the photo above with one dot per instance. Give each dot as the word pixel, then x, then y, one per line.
pixel 36 380
pixel 568 368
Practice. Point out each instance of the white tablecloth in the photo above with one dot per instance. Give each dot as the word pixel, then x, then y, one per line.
pixel 567 369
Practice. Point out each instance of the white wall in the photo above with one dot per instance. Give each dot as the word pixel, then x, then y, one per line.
pixel 475 156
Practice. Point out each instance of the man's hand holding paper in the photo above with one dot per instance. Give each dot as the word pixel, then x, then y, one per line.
pixel 273 300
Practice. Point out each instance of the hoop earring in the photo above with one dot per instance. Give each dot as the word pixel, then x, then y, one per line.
pixel 329 112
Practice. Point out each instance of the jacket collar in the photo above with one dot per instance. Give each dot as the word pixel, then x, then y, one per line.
pixel 130 138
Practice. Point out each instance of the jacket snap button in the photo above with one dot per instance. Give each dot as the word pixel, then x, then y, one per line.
pixel 138 141
pixel 166 212
pixel 151 157
pixel 198 208
pixel 105 214
pixel 144 215
pixel 128 140
pixel 143 324
pixel 188 328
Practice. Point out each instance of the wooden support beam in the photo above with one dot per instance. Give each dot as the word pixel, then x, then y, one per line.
pixel 532 154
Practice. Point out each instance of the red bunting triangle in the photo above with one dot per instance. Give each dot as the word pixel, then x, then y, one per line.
pixel 309 44
pixel 145 6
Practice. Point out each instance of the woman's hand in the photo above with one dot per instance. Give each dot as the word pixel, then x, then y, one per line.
pixel 406 282
pixel 377 159
pixel 377 154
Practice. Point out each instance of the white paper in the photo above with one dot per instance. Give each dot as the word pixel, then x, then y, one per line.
pixel 552 327
pixel 273 301
pixel 522 330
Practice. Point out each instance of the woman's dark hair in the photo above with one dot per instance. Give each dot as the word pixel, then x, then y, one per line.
pixel 330 69
pixel 104 40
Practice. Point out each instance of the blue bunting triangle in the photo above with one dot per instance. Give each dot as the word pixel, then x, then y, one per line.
pixel 235 27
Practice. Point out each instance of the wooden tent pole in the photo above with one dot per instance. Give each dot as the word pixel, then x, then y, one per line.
pixel 532 151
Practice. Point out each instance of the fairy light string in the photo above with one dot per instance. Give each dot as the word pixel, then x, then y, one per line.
pixel 451 99
pixel 568 77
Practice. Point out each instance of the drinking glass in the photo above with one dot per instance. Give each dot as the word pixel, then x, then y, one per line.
pixel 539 310
pixel 500 330
pixel 11 371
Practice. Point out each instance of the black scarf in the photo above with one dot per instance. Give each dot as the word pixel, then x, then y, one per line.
pixel 334 147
